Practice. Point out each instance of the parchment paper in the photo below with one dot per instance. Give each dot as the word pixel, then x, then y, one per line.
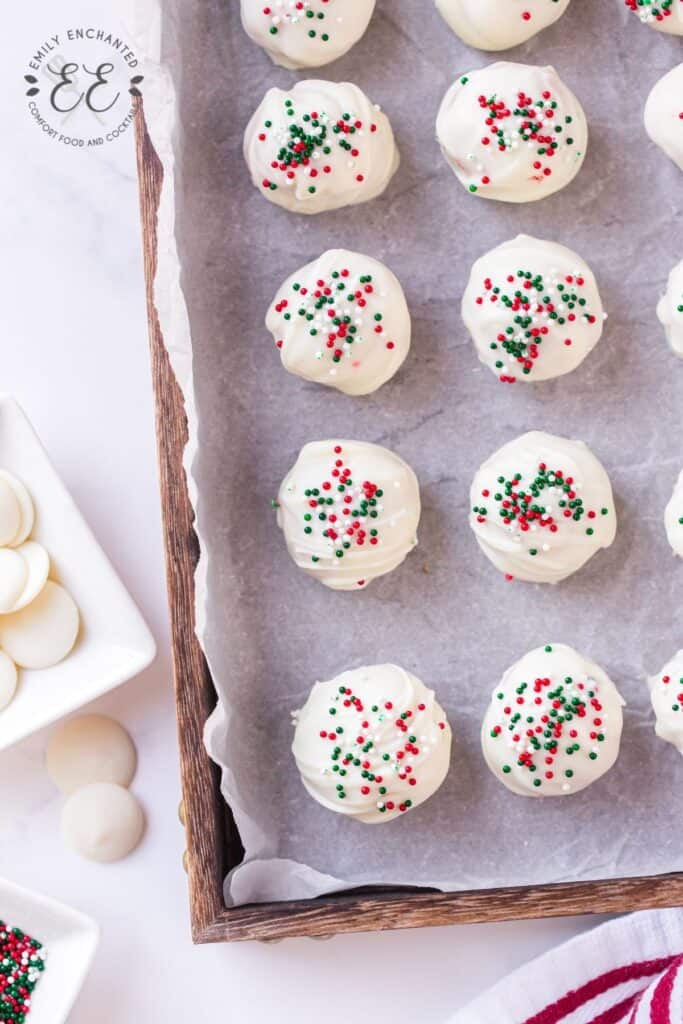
pixel 269 632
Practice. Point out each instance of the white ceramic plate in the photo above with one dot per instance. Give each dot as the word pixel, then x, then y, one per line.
pixel 70 939
pixel 114 643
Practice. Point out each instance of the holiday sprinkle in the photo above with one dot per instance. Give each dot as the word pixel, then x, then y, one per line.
pixel 22 961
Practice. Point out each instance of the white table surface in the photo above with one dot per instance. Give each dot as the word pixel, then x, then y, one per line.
pixel 73 340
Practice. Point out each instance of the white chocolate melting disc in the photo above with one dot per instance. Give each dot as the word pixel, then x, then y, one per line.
pixel 8 680
pixel 319 146
pixel 349 512
pixel 43 632
pixel 662 15
pixel 664 114
pixel 670 310
pixel 666 696
pixel 102 822
pixel 88 749
pixel 306 33
pixel 10 513
pixel 673 518
pixel 25 505
pixel 512 132
pixel 541 506
pixel 554 723
pixel 533 310
pixel 37 562
pixel 13 577
pixel 372 743
pixel 499 24
pixel 342 321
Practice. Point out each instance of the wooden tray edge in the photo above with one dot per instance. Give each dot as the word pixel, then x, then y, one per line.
pixel 211 834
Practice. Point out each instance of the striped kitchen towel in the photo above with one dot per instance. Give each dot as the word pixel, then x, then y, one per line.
pixel 628 971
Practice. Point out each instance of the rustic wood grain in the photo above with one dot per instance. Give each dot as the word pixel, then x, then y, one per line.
pixel 195 698
pixel 212 841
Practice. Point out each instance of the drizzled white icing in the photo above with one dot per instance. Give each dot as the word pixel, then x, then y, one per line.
pixel 541 506
pixel 306 33
pixel 499 24
pixel 666 695
pixel 349 512
pixel 670 310
pixel 663 114
pixel 372 743
pixel 673 517
pixel 554 723
pixel 513 132
pixel 343 321
pixel 533 310
pixel 319 146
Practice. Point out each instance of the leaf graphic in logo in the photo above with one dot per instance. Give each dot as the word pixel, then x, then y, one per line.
pixel 32 92
pixel 135 92
pixel 30 79
pixel 136 79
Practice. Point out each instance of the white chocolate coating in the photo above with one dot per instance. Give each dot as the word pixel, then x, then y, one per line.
pixel 673 518
pixel 27 513
pixel 533 310
pixel 499 24
pixel 518 99
pixel 662 15
pixel 88 749
pixel 666 695
pixel 663 114
pixel 349 512
pixel 344 155
pixel 670 310
pixel 8 680
pixel 102 822
pixel 573 706
pixel 545 535
pixel 342 321
pixel 387 719
pixel 306 33
pixel 43 632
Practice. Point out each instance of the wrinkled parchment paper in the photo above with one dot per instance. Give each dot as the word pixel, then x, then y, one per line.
pixel 269 631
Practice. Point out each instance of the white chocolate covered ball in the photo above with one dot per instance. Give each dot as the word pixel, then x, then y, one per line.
pixel 512 132
pixel 533 310
pixel 663 15
pixel 306 33
pixel 499 24
pixel 670 310
pixel 372 743
pixel 343 321
pixel 319 146
pixel 554 723
pixel 541 506
pixel 666 695
pixel 349 512
pixel 673 518
pixel 664 114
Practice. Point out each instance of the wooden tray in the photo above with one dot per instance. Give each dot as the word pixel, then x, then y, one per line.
pixel 213 844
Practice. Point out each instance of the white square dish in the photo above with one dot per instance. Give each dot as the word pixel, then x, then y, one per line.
pixel 114 643
pixel 70 939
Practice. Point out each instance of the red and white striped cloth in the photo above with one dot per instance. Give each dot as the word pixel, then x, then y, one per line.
pixel 628 971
